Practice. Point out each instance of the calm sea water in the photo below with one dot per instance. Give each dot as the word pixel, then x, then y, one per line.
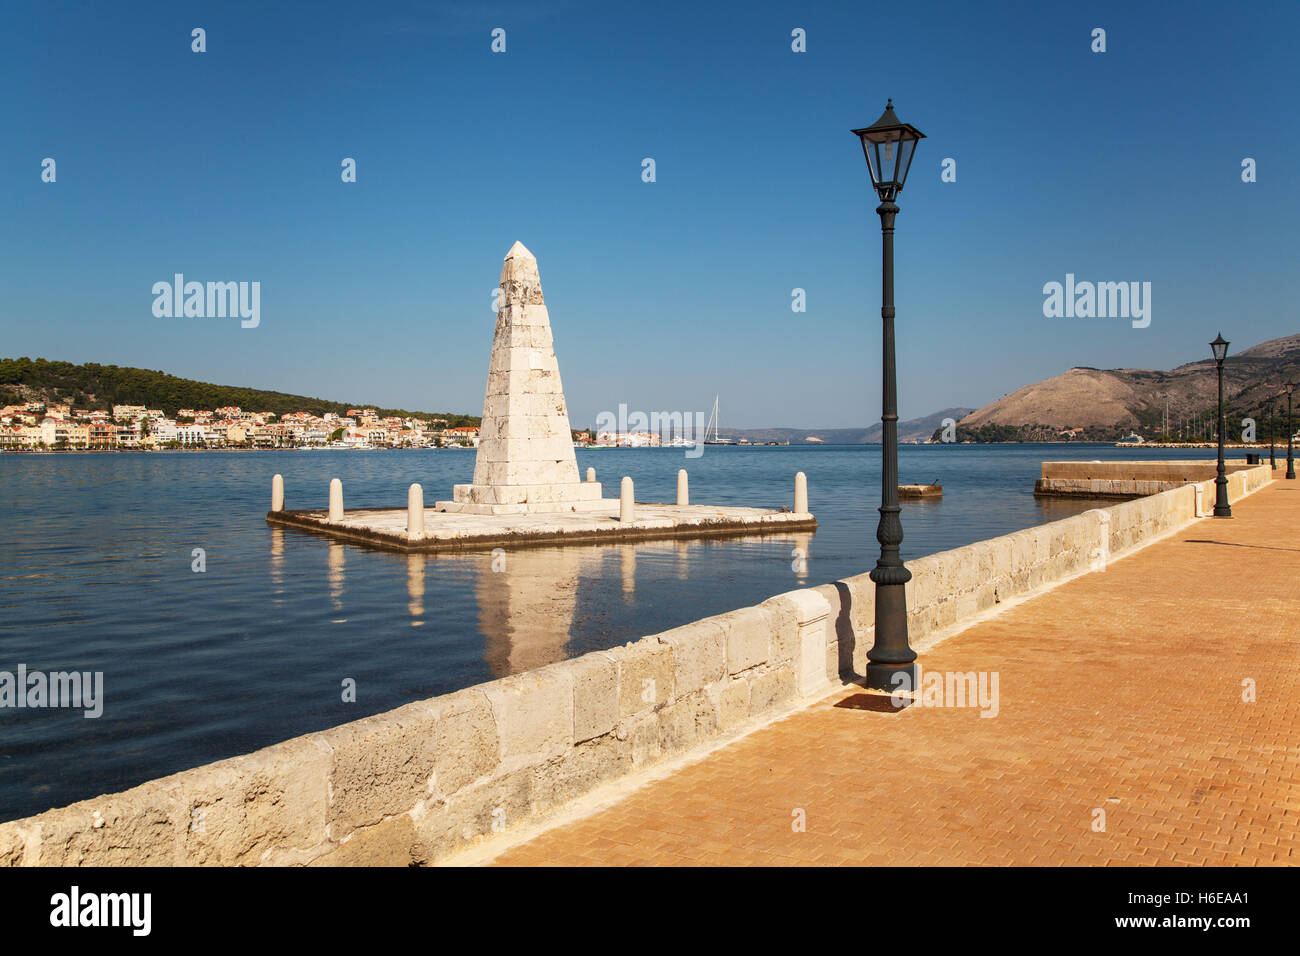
pixel 96 575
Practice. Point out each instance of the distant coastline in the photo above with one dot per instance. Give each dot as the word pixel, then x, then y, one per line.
pixel 198 449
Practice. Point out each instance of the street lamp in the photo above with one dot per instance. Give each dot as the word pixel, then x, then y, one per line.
pixel 1221 507
pixel 1289 387
pixel 889 147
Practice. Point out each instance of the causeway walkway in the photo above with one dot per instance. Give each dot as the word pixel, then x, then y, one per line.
pixel 1120 704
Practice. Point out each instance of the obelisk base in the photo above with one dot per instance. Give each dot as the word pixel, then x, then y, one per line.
pixel 524 499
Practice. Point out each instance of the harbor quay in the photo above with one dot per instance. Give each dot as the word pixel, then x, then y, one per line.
pixel 1080 618
pixel 1125 735
pixel 1124 479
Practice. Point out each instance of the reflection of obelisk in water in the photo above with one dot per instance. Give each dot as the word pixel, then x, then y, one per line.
pixel 801 554
pixel 627 568
pixel 527 608
pixel 415 587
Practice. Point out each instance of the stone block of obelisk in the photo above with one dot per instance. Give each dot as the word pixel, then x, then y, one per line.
pixel 525 461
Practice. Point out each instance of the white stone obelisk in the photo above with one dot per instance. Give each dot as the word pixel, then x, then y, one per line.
pixel 525 462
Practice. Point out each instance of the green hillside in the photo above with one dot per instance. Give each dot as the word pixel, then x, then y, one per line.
pixel 94 386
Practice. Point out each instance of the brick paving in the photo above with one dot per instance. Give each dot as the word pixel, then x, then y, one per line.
pixel 1120 691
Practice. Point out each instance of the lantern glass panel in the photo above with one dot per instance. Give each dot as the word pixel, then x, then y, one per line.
pixel 906 149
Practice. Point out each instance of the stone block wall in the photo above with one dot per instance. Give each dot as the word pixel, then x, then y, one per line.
pixel 1139 470
pixel 1124 479
pixel 414 784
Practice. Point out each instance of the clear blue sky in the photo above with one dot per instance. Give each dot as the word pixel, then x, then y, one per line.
pixel 225 165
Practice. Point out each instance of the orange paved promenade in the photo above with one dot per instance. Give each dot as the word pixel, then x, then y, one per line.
pixel 1120 690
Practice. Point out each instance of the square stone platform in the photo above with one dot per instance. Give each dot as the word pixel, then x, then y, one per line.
pixel 448 531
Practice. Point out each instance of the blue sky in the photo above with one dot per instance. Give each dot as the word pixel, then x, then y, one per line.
pixel 225 165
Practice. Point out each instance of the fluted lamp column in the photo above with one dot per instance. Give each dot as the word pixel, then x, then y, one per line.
pixel 889 146
pixel 1222 509
pixel 1288 388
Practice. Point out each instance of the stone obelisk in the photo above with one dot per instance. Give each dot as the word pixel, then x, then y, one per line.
pixel 525 461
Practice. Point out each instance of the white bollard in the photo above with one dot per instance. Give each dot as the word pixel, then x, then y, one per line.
pixel 414 513
pixel 277 493
pixel 800 493
pixel 683 488
pixel 626 506
pixel 591 474
pixel 336 500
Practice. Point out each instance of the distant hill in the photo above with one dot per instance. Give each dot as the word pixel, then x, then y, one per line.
pixel 1108 404
pixel 917 429
pixel 102 386
pixel 797 436
pixel 1273 348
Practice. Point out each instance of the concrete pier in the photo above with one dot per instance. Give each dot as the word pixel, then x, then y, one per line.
pixel 386 528
pixel 1124 479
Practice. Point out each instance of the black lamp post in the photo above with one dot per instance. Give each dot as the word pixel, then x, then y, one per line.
pixel 1221 507
pixel 1289 387
pixel 889 147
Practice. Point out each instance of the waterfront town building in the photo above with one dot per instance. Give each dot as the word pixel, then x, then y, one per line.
pixel 629 439
pixel 33 426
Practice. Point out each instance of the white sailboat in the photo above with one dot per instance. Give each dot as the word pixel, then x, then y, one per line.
pixel 713 421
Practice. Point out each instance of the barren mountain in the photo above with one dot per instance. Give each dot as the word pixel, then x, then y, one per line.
pixel 1081 397
pixel 1119 400
pixel 1273 348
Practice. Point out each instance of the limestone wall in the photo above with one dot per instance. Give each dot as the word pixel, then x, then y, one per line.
pixel 418 783
pixel 1139 470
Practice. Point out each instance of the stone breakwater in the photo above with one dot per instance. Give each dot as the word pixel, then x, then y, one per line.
pixel 419 783
pixel 1124 479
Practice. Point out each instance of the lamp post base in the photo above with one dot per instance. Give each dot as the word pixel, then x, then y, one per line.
pixel 892 677
pixel 1222 509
